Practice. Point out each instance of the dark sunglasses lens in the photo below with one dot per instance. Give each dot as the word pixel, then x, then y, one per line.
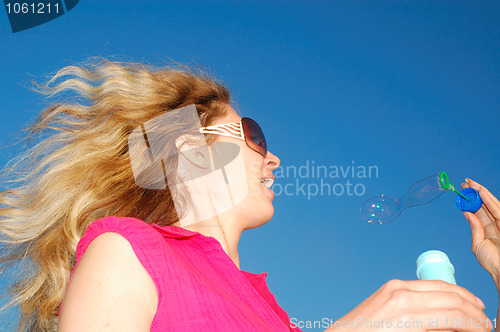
pixel 254 136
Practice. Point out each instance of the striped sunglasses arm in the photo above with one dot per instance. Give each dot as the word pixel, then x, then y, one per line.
pixel 233 130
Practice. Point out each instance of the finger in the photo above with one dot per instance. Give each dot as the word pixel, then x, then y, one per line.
pixel 485 216
pixel 483 213
pixel 477 232
pixel 491 228
pixel 476 227
pixel 456 320
pixel 486 191
pixel 490 201
pixel 446 300
pixel 434 285
pixel 450 311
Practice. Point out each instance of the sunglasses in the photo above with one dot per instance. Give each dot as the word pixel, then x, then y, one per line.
pixel 246 129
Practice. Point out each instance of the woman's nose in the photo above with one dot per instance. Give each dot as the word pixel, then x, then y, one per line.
pixel 272 160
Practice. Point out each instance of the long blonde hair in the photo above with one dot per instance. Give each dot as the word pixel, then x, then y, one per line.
pixel 78 170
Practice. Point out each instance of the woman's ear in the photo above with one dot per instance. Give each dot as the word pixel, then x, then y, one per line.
pixel 195 149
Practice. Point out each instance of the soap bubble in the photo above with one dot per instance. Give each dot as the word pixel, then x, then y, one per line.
pixel 380 209
pixel 384 209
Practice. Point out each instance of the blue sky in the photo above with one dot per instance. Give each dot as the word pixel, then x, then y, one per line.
pixel 411 87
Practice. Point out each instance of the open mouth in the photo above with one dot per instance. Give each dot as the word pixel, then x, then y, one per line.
pixel 267 182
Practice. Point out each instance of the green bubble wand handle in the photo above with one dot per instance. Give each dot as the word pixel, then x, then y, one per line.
pixel 445 184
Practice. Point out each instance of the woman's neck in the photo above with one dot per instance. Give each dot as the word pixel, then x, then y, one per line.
pixel 224 230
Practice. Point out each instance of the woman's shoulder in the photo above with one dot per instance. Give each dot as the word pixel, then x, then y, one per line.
pixel 137 232
pixel 119 224
pixel 147 244
pixel 110 273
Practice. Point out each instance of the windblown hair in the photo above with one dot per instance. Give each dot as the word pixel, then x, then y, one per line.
pixel 78 170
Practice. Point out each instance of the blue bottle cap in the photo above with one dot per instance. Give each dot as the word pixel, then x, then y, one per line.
pixel 471 205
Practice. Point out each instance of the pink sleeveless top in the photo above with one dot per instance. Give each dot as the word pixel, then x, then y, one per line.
pixel 199 286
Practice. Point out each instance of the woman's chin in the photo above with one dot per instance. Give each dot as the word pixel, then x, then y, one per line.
pixel 261 216
pixel 256 224
pixel 269 193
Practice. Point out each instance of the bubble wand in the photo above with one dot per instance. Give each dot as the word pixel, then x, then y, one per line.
pixel 444 181
pixel 384 209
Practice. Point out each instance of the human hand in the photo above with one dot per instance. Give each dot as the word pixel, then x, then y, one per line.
pixel 419 305
pixel 485 230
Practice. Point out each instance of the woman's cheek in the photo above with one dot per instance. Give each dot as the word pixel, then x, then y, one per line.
pixel 255 188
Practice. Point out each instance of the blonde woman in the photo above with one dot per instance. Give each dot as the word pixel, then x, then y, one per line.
pixel 111 241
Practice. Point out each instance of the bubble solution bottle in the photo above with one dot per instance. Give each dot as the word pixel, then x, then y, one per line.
pixel 435 265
